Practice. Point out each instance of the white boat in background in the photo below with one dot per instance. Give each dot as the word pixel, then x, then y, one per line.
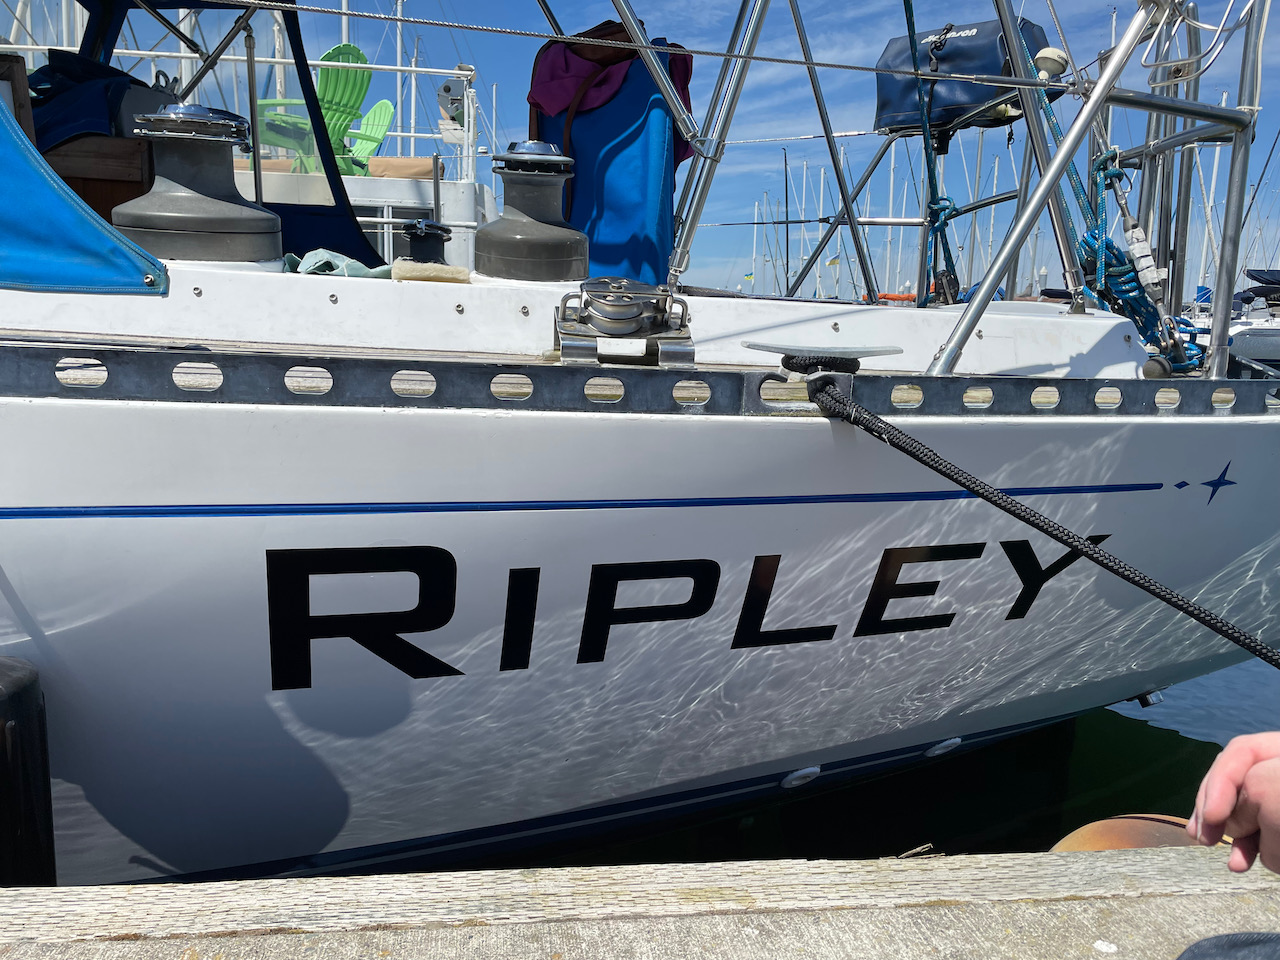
pixel 326 572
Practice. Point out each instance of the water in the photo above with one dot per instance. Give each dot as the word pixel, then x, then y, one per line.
pixel 1241 699
pixel 1023 794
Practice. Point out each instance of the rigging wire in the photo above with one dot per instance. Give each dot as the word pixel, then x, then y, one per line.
pixel 21 24
pixel 980 78
pixel 801 136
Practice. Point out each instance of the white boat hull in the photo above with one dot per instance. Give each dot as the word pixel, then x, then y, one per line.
pixel 136 541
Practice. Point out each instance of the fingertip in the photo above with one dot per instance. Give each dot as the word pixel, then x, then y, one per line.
pixel 1208 833
pixel 1210 836
pixel 1219 799
pixel 1244 850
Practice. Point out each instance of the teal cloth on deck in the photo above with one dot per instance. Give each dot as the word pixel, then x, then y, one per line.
pixel 334 264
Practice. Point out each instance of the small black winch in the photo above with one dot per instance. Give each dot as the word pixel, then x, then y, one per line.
pixel 426 240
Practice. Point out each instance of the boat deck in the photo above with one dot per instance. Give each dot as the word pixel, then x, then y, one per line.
pixel 1128 903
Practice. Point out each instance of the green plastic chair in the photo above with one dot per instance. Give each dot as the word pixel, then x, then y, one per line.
pixel 368 138
pixel 290 132
pixel 340 92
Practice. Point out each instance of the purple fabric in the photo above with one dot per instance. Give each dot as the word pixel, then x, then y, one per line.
pixel 559 72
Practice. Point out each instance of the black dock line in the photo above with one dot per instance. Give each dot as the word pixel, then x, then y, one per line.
pixel 825 394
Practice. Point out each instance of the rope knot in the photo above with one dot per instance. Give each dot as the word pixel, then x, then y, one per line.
pixel 942 210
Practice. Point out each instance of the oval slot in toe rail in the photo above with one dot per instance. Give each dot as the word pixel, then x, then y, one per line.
pixel 83 372
pixel 197 376
pixel 304 380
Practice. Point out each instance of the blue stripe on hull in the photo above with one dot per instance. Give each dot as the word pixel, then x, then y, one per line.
pixel 510 506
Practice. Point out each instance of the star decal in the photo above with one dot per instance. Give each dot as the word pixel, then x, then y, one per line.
pixel 1218 483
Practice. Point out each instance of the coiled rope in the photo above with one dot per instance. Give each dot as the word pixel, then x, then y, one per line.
pixel 824 393
pixel 1116 280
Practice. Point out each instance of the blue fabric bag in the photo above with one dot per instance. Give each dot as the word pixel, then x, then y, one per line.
pixel 623 185
pixel 973 48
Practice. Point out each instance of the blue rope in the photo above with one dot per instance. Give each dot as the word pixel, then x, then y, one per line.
pixel 1106 172
pixel 1114 275
pixel 940 211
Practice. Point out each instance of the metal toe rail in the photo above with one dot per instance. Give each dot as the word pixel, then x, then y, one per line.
pixel 1025 396
pixel 94 372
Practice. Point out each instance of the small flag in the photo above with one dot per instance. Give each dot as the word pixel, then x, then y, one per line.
pixel 749 276
pixel 834 260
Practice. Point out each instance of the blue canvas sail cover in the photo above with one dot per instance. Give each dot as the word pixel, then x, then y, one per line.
pixel 49 238
pixel 625 148
pixel 972 48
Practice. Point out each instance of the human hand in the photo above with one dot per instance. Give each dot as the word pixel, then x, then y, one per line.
pixel 1240 797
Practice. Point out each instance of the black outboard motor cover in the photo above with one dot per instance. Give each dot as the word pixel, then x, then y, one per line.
pixel 965 48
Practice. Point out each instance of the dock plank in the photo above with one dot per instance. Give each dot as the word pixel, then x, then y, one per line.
pixel 1129 903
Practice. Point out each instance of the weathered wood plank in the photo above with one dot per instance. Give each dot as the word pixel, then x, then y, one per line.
pixel 317 905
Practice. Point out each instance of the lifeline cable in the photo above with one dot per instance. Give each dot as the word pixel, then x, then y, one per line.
pixel 824 393
pixel 989 80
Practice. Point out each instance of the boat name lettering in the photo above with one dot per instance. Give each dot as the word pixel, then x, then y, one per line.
pixel 292 626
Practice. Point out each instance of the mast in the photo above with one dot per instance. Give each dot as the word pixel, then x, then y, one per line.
pixel 755 222
pixel 400 75
pixel 413 103
pixel 822 190
pixel 1209 242
pixel 897 271
pixel 991 229
pixel 973 224
pixel 888 244
pixel 1237 176
pixel 786 216
pixel 804 207
pixel 277 37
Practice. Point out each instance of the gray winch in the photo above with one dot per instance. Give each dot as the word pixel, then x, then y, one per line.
pixel 194 211
pixel 617 320
pixel 531 240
